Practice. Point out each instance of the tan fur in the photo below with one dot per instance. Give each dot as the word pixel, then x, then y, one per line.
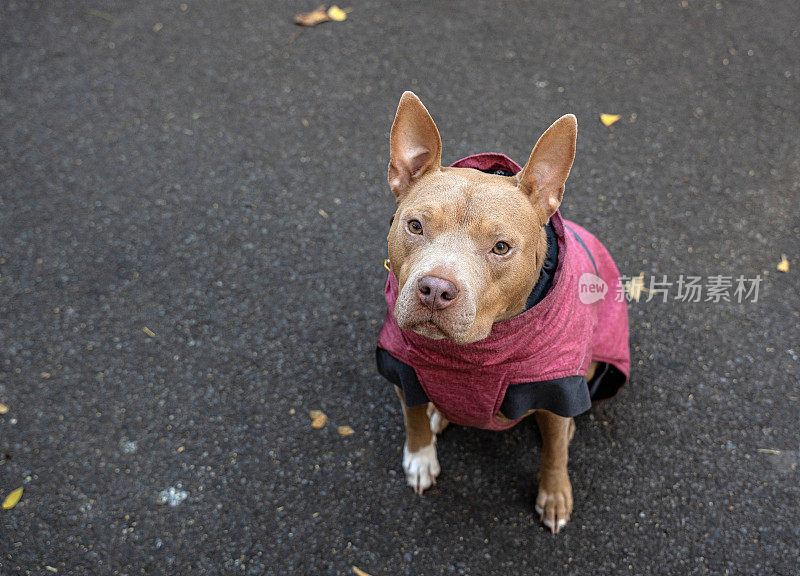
pixel 418 430
pixel 463 214
pixel 555 491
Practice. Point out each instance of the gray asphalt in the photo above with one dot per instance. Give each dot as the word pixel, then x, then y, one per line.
pixel 220 181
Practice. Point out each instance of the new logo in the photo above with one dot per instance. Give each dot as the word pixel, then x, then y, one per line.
pixel 591 288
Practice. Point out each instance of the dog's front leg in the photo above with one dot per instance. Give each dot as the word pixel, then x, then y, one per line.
pixel 419 452
pixel 554 501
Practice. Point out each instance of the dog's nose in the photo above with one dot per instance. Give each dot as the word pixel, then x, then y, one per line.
pixel 436 293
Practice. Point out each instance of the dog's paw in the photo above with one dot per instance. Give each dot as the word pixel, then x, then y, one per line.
pixel 554 501
pixel 438 422
pixel 421 467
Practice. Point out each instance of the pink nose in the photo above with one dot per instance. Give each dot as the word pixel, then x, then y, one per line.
pixel 436 293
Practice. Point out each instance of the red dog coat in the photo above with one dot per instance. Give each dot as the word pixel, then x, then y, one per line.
pixel 537 359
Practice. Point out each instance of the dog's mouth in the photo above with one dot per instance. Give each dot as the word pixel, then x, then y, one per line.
pixel 436 331
pixel 430 329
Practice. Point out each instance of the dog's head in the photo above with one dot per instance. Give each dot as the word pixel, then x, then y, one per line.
pixel 467 246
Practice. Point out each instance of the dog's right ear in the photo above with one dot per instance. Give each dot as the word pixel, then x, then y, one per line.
pixel 415 145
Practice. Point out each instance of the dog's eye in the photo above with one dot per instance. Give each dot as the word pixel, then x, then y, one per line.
pixel 414 227
pixel 501 248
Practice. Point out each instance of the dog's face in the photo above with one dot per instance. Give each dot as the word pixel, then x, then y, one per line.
pixel 466 246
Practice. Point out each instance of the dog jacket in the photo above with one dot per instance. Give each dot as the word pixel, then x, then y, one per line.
pixel 535 360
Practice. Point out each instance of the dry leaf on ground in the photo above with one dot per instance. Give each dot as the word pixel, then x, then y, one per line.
pixel 345 430
pixel 608 119
pixel 336 13
pixel 359 572
pixel 318 419
pixel 3 408
pixel 314 17
pixel 783 265
pixel 100 14
pixel 12 499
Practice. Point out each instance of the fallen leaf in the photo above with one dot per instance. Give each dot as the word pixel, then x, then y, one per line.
pixel 3 408
pixel 359 572
pixel 783 265
pixel 336 13
pixel 149 332
pixel 608 119
pixel 45 375
pixel 100 14
pixel 51 569
pixel 318 419
pixel 157 26
pixel 769 451
pixel 322 213
pixel 635 286
pixel 345 431
pixel 12 499
pixel 314 17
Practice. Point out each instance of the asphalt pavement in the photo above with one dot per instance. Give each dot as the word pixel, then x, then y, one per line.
pixel 193 213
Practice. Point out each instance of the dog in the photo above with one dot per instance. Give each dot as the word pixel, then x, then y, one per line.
pixel 497 308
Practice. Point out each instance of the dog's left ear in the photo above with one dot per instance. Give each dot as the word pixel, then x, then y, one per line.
pixel 543 177
pixel 415 144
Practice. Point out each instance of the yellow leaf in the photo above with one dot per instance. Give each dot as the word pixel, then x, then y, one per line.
pixel 149 332
pixel 783 265
pixel 635 286
pixel 318 419
pixel 345 431
pixel 608 120
pixel 3 408
pixel 359 572
pixel 336 13
pixel 12 499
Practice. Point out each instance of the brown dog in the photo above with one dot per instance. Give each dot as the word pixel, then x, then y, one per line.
pixel 468 248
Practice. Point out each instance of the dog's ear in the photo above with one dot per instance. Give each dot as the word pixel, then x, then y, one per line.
pixel 414 143
pixel 543 177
